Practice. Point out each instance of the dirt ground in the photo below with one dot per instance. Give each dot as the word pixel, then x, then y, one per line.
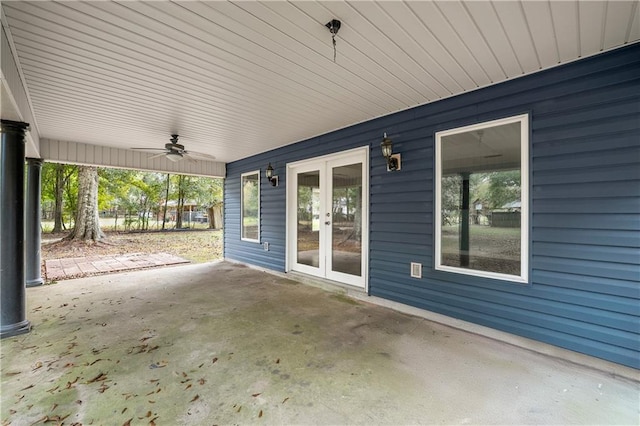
pixel 198 246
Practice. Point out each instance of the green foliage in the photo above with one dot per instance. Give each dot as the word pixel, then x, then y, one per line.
pixel 68 191
pixel 450 196
pixel 137 195
pixel 493 189
pixel 504 187
pixel 250 198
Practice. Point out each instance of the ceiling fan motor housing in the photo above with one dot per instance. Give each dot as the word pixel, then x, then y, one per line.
pixel 174 147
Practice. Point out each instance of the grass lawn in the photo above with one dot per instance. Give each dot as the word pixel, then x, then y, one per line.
pixel 490 248
pixel 198 246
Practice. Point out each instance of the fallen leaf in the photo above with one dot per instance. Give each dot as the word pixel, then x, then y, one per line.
pixel 195 398
pixel 12 412
pixel 278 361
pixel 71 384
pixel 255 394
pixel 188 386
pixel 128 422
pixel 78 401
pixel 123 410
pixel 28 387
pixel 41 420
pixel 100 377
pixel 99 359
pixel 151 402
pixel 53 407
pixel 260 414
pixel 38 365
pixel 13 373
pixel 202 381
pixel 149 414
pixel 239 408
pixel 213 361
pixel 285 400
pixel 57 419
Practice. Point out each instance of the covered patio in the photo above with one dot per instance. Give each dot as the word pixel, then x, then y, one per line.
pixel 269 87
pixel 221 343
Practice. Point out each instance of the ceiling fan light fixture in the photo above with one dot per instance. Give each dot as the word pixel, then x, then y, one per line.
pixel 174 156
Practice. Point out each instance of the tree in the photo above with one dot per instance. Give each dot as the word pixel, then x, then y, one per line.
pixel 450 189
pixel 166 201
pixel 58 223
pixel 87 222
pixel 182 186
pixel 58 188
pixel 504 187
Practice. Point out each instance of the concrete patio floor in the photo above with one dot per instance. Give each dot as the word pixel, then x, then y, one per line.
pixel 221 343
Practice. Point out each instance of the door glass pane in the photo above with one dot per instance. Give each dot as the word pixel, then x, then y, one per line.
pixel 309 218
pixel 346 230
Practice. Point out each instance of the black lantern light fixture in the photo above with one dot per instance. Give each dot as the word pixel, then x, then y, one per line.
pixel 270 177
pixel 393 160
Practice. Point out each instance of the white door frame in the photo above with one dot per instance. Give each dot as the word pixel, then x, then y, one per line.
pixel 320 163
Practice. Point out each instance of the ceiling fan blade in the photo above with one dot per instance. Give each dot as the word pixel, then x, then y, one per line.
pixel 147 149
pixel 199 154
pixel 189 158
pixel 156 156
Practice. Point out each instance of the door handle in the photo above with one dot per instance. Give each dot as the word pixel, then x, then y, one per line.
pixel 328 222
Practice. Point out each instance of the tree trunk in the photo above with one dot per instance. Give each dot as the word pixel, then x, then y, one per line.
pixel 212 224
pixel 87 223
pixel 166 200
pixel 59 198
pixel 180 206
pixel 215 216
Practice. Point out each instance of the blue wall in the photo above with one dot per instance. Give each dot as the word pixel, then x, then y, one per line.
pixel 584 289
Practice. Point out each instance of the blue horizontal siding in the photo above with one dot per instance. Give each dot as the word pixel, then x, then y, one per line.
pixel 584 288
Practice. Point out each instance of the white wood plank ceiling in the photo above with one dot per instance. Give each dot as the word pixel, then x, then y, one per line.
pixel 238 78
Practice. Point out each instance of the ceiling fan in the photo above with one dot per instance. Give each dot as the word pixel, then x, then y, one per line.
pixel 174 151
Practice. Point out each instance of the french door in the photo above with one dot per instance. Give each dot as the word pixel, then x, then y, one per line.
pixel 327 205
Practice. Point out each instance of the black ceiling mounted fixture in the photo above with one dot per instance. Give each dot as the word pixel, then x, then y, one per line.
pixel 334 27
pixel 174 151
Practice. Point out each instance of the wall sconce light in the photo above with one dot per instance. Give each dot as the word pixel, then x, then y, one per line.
pixel 270 177
pixel 393 160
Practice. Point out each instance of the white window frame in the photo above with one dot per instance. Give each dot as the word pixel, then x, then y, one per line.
pixel 242 230
pixel 524 192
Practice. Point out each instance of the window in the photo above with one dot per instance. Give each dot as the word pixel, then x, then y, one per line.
pixel 250 217
pixel 482 199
